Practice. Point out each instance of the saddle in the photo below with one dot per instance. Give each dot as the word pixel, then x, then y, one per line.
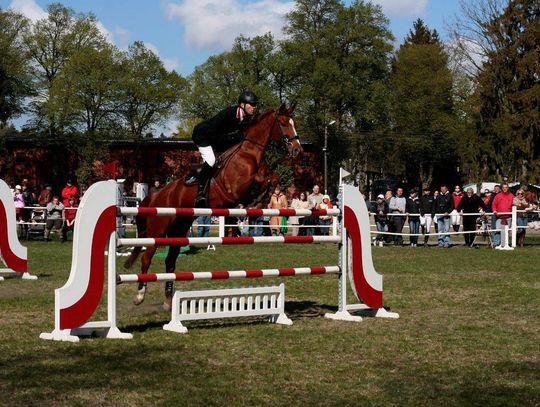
pixel 193 177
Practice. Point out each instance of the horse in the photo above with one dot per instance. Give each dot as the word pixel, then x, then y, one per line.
pixel 239 168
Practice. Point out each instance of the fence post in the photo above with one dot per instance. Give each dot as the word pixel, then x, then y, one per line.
pixel 514 226
pixel 221 227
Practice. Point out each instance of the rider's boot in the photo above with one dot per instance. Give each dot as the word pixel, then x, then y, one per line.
pixel 204 180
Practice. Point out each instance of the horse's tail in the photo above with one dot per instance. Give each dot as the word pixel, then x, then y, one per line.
pixel 140 221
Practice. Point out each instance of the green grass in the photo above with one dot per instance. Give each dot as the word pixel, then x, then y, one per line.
pixel 467 336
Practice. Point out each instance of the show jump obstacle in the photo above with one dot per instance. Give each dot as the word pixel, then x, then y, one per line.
pixel 12 253
pixel 95 227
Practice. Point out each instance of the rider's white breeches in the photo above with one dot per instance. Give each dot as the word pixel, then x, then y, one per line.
pixel 208 156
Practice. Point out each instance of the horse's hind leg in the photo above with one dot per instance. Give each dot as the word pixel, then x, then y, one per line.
pixel 170 266
pixel 146 260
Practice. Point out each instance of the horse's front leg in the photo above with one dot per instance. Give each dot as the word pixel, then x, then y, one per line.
pixel 146 260
pixel 170 266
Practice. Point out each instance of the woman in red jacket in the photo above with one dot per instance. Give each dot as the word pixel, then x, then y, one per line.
pixel 69 191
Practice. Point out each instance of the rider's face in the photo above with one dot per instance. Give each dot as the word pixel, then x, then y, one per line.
pixel 249 109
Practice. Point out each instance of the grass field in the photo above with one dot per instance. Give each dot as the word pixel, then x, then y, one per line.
pixel 468 335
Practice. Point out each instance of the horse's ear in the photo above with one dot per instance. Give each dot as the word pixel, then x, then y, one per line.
pixel 283 108
pixel 292 107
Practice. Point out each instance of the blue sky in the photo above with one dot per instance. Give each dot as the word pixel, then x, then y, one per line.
pixel 184 33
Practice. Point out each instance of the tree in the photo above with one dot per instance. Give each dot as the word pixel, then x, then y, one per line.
pixel 422 104
pixel 149 95
pixel 14 73
pixel 340 56
pixel 509 92
pixel 85 95
pixel 50 44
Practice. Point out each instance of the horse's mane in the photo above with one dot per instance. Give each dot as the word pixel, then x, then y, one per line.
pixel 259 118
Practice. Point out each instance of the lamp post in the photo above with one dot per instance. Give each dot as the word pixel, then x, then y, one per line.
pixel 325 151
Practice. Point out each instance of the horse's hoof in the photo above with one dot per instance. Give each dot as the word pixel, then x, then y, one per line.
pixel 167 304
pixel 138 300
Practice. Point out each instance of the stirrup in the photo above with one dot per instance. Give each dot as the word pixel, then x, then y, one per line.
pixel 201 202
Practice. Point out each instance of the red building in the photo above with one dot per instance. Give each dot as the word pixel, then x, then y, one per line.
pixel 53 162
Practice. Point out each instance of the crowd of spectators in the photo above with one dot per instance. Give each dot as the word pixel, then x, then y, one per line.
pixel 55 212
pixel 279 225
pixel 442 209
pixel 489 211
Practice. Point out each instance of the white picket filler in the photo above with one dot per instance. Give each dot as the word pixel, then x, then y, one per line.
pixel 95 224
pixel 228 303
pixel 12 253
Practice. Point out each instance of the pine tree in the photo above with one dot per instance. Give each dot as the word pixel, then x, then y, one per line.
pixel 509 92
pixel 422 106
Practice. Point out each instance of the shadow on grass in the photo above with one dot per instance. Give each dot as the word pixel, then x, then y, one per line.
pixel 293 309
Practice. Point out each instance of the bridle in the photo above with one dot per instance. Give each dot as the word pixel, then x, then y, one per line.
pixel 288 141
pixel 284 137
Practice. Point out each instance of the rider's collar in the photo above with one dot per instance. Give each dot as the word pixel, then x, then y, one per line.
pixel 240 113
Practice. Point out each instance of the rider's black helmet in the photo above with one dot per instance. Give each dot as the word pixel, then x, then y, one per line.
pixel 248 96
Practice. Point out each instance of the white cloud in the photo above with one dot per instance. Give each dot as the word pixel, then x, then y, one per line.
pixel 211 24
pixel 29 9
pixel 106 33
pixel 401 8
pixel 170 64
pixel 122 37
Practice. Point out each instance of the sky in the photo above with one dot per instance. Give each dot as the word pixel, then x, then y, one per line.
pixel 184 33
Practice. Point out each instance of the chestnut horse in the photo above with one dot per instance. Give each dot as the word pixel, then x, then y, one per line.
pixel 238 171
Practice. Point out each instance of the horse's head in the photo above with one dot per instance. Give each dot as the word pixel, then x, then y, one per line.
pixel 286 132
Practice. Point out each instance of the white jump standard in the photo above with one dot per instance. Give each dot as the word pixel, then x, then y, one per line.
pixel 77 300
pixel 12 253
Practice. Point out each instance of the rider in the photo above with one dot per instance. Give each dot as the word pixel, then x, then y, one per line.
pixel 219 133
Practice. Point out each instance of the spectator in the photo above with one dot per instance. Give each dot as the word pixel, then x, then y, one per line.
pixel 413 208
pixel 314 199
pixel 299 202
pixel 69 191
pixel 203 225
pixel 256 223
pixel 278 200
pixel 435 224
pixel 325 220
pixel 55 216
pixel 69 215
pixel 426 208
pixel 381 218
pixel 397 206
pixel 156 187
pixel 502 206
pixel 457 196
pixel 389 223
pixel 45 196
pixel 470 204
pixel 443 207
pixel 486 197
pixel 18 199
pixel 495 237
pixel 521 204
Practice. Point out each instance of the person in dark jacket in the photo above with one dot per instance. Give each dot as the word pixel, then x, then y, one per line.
pixel 381 220
pixel 426 207
pixel 413 212
pixel 443 205
pixel 217 134
pixel 470 204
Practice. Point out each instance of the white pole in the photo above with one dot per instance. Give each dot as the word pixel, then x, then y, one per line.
pixel 514 226
pixel 221 228
pixel 111 281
